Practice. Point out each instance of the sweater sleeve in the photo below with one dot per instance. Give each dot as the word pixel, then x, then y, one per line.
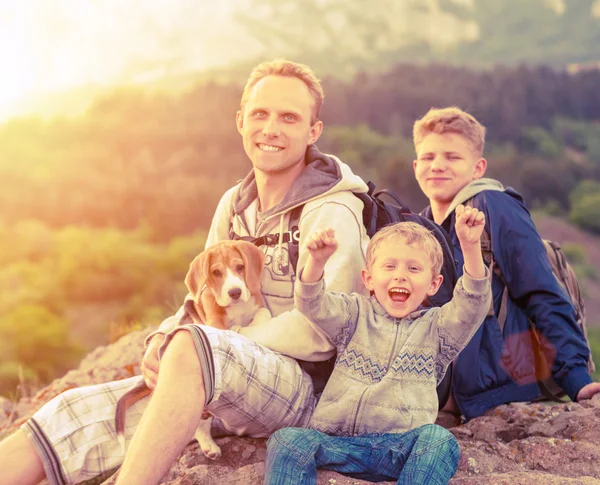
pixel 460 318
pixel 334 313
pixel 521 256
pixel 290 332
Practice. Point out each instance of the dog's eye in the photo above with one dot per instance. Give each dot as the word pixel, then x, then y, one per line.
pixel 217 273
pixel 240 268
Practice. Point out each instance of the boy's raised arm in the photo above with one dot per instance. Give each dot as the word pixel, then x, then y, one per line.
pixel 469 227
pixel 320 245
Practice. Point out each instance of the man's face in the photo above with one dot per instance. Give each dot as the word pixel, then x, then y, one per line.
pixel 445 164
pixel 401 277
pixel 275 124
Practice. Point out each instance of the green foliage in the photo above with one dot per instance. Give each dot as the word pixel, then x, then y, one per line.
pixel 537 140
pixel 578 258
pixel 64 292
pixel 572 133
pixel 37 339
pixel 585 206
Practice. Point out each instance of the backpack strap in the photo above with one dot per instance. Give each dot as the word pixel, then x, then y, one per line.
pixel 291 236
pixel 319 372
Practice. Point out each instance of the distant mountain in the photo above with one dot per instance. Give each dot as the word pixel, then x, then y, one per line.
pixel 340 36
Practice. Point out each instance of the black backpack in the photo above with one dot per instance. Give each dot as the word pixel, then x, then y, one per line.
pixel 377 213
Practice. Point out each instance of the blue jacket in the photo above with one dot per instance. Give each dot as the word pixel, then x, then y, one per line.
pixel 497 367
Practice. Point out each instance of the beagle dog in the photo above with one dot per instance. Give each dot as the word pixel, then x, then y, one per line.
pixel 224 292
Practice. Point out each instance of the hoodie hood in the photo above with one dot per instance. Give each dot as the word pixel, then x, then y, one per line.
pixel 471 190
pixel 323 175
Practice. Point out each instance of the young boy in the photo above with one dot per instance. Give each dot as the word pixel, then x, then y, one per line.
pixel 497 366
pixel 375 418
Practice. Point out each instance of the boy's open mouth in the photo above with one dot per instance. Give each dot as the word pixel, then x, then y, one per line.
pixel 399 295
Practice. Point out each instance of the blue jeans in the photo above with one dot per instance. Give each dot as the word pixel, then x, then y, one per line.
pixel 425 455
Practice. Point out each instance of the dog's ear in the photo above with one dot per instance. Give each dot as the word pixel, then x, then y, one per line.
pixel 254 261
pixel 198 274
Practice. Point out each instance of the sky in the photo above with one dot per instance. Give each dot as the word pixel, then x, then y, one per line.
pixel 55 55
pixel 56 45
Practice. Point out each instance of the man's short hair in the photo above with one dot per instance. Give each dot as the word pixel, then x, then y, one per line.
pixel 284 68
pixel 450 120
pixel 413 234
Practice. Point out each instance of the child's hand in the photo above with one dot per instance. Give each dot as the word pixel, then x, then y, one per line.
pixel 321 245
pixel 469 224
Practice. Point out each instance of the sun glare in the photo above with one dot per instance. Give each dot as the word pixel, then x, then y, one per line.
pixel 52 47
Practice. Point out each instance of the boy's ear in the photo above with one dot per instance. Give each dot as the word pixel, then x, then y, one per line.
pixel 435 285
pixel 480 168
pixel 415 166
pixel 367 279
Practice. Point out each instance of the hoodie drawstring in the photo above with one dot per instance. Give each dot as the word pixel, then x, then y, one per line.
pixel 280 257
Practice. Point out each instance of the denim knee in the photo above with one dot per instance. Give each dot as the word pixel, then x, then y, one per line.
pixel 291 438
pixel 433 435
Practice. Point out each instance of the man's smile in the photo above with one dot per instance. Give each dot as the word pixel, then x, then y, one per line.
pixel 268 148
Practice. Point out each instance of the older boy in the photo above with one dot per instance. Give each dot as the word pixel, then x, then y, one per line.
pixel 375 417
pixel 497 366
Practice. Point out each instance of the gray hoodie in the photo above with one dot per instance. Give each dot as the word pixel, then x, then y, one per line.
pixel 325 189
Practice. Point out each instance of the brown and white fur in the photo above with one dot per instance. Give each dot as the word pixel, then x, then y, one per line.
pixel 224 285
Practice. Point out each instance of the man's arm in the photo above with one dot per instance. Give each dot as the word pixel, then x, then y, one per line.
pixel 521 256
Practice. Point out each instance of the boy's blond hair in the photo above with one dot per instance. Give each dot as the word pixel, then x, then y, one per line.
pixel 284 68
pixel 450 120
pixel 413 234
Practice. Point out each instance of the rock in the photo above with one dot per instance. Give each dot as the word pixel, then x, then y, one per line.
pixel 515 444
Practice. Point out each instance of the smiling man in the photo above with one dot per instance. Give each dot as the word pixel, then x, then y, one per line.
pixel 246 380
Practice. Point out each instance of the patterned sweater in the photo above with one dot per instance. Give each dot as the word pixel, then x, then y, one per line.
pixel 387 369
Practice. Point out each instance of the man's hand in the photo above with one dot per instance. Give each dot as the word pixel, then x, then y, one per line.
pixel 469 224
pixel 150 361
pixel 320 246
pixel 587 392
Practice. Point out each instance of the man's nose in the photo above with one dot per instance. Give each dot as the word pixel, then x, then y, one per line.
pixel 271 127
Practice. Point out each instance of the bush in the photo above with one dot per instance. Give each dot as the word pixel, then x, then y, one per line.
pixel 33 337
pixel 585 206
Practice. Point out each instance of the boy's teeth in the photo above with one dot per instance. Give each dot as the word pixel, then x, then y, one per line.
pixel 399 294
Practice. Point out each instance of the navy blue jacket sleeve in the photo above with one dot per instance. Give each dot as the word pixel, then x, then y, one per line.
pixel 521 256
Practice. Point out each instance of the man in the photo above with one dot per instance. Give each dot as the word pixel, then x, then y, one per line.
pixel 244 380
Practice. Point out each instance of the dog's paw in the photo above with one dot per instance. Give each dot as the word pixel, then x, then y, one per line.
pixel 211 450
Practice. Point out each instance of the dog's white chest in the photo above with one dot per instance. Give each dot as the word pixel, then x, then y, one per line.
pixel 242 313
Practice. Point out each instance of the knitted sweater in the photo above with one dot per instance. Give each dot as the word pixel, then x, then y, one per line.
pixel 387 368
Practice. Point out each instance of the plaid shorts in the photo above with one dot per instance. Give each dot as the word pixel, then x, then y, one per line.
pixel 251 391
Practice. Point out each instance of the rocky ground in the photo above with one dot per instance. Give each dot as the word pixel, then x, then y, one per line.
pixel 516 444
